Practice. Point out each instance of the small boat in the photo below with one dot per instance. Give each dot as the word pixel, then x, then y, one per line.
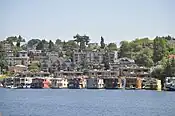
pixel 130 88
pixel 1 85
pixel 26 86
pixel 11 87
pixel 170 84
pixel 171 87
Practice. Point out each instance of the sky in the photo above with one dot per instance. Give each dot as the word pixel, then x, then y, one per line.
pixel 115 20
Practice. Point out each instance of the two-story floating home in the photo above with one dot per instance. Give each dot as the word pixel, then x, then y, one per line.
pixel 77 83
pixel 59 83
pixel 110 78
pixel 41 80
pixel 134 76
pixel 75 79
pixel 112 83
pixel 28 80
pixel 95 83
pixel 169 84
pixel 8 82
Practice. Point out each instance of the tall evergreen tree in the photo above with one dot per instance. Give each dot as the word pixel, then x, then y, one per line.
pixel 40 46
pixel 51 45
pixel 18 44
pixel 102 43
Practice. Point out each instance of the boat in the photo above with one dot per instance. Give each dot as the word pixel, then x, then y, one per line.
pixel 170 87
pixel 11 87
pixel 27 86
pixel 1 85
pixel 170 84
pixel 130 88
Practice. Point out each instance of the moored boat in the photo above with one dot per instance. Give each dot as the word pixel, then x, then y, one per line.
pixel 169 84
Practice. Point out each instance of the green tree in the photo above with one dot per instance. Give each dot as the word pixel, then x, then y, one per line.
pixel 169 69
pixel 58 42
pixel 83 40
pixel 20 39
pixel 15 39
pixel 24 47
pixel 86 39
pixel 173 66
pixel 3 62
pixel 102 43
pixel 125 50
pixel 64 46
pixel 1 47
pixel 69 47
pixel 112 47
pixel 40 46
pixel 158 73
pixel 18 44
pixel 51 45
pixel 144 60
pixel 12 39
pixel 106 61
pixel 159 48
pixel 34 67
pixel 33 42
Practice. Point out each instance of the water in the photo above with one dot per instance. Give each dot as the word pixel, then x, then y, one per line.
pixel 79 102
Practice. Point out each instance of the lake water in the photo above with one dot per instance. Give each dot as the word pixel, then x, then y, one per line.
pixel 84 102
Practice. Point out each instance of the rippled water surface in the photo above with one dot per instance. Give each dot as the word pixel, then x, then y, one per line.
pixel 83 102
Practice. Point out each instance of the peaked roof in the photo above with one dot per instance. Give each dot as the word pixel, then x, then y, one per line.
pixel 171 56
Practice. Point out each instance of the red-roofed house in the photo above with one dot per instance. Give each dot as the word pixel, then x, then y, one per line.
pixel 171 56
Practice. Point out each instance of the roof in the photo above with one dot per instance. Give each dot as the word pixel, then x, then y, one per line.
pixel 23 51
pixel 22 66
pixel 126 59
pixel 171 56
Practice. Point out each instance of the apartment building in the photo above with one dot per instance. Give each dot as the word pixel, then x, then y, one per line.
pixel 95 57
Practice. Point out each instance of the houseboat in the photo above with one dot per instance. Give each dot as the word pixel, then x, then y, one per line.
pixel 151 84
pixel 74 83
pixel 37 83
pixel 133 83
pixel 95 83
pixel 59 83
pixel 31 80
pixel 8 82
pixel 169 84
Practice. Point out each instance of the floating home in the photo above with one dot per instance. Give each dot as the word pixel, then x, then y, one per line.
pixel 110 78
pixel 76 83
pixel 75 79
pixel 111 83
pixel 169 84
pixel 8 82
pixel 28 80
pixel 95 83
pixel 59 83
pixel 133 83
pixel 151 84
